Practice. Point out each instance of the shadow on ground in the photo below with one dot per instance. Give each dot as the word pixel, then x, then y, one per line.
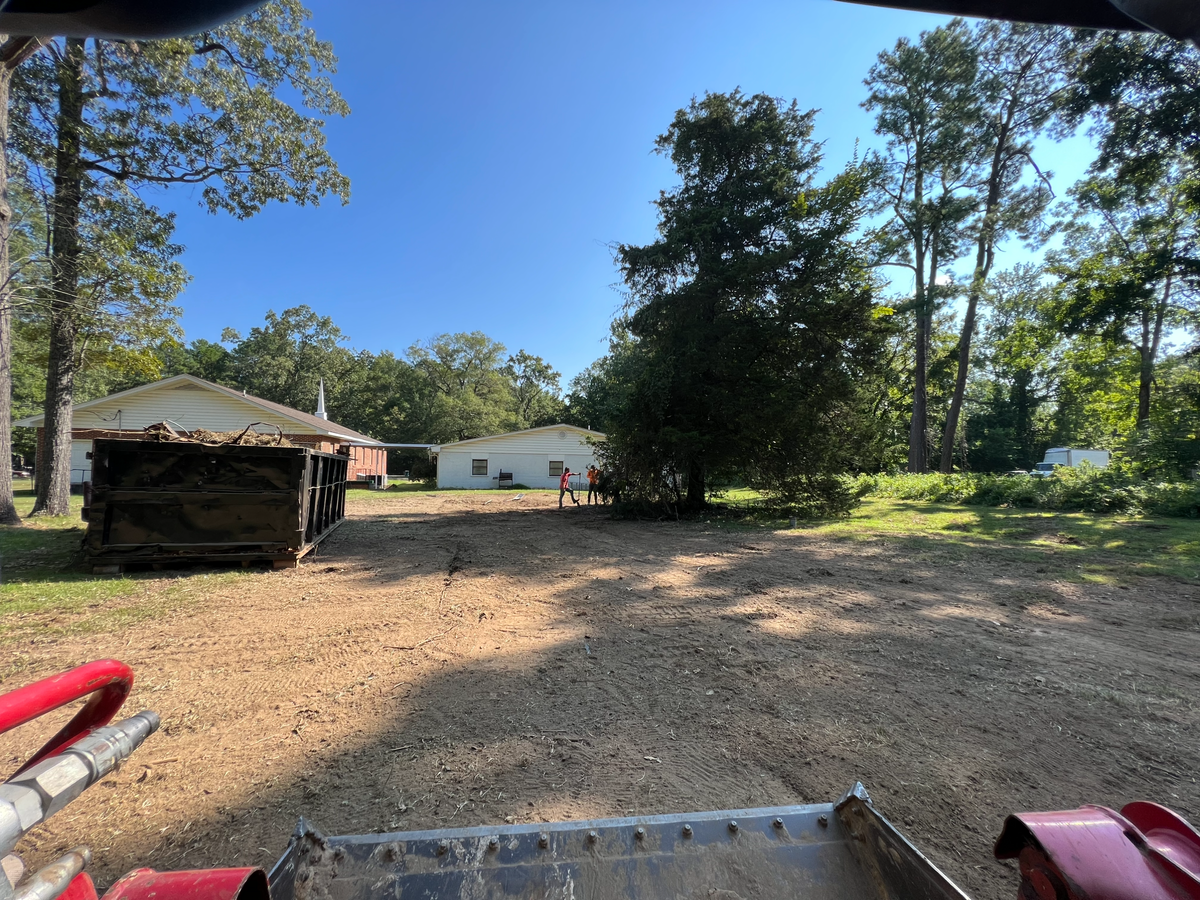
pixel 519 664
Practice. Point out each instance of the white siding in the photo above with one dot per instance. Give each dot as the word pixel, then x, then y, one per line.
pixel 187 405
pixel 81 466
pixel 526 454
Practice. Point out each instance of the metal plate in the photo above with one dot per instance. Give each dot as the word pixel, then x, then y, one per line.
pixel 813 852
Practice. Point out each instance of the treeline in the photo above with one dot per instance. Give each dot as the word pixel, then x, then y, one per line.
pixel 451 387
pixel 783 330
pixel 785 327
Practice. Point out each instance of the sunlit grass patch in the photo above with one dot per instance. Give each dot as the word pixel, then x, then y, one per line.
pixel 47 588
pixel 1088 545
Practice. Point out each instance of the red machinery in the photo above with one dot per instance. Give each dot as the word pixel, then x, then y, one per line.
pixel 835 851
pixel 83 752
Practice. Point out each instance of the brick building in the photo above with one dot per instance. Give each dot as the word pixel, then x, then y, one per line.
pixel 188 403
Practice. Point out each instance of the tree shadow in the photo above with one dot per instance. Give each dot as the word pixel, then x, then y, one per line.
pixel 674 667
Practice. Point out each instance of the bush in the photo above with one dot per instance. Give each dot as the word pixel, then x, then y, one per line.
pixel 1119 488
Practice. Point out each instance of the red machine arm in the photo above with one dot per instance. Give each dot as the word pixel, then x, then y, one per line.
pixel 107 680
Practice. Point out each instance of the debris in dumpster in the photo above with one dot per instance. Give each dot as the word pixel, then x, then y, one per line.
pixel 169 501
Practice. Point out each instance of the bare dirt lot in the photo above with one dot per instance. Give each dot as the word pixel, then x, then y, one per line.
pixel 466 659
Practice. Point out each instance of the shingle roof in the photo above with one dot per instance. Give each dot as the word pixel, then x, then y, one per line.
pixel 331 428
pixel 322 426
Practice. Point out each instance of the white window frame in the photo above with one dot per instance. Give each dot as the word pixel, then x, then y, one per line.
pixel 562 465
pixel 486 468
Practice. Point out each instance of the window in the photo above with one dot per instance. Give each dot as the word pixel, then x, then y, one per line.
pixel 556 467
pixel 479 467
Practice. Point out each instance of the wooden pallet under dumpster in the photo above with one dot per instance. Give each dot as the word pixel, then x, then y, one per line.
pixel 158 502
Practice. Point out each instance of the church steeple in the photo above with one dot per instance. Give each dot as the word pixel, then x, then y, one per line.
pixel 321 401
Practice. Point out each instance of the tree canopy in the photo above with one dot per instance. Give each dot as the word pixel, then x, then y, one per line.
pixel 750 316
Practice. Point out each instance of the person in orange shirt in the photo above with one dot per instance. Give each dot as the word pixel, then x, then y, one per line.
pixel 564 487
pixel 593 475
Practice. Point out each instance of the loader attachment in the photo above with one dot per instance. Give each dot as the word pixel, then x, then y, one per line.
pixel 835 851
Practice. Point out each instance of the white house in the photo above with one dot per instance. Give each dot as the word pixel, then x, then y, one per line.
pixel 189 403
pixel 534 457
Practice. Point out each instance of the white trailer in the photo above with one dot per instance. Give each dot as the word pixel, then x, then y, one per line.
pixel 1067 456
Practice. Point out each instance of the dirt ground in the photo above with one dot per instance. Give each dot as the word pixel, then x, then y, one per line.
pixel 455 660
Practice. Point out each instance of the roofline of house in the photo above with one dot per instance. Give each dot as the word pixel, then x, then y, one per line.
pixel 386 446
pixel 39 421
pixel 437 448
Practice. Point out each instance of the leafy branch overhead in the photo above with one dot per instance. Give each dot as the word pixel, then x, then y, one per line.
pixel 214 110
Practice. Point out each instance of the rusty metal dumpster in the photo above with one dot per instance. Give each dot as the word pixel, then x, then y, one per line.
pixel 157 502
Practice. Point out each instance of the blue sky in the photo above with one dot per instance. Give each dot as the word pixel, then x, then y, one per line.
pixel 496 150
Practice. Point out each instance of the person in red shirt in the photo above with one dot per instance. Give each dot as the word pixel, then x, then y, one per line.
pixel 564 487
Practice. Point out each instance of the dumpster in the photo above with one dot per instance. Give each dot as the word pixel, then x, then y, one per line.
pixel 158 502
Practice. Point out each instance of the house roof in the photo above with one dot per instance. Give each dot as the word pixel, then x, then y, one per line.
pixel 559 427
pixel 321 426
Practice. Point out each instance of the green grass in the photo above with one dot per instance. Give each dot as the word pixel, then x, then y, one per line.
pixel 47 588
pixel 42 547
pixel 1077 546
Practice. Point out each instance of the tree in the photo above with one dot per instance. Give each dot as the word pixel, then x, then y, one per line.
pixel 201 358
pixel 122 282
pixel 536 390
pixel 128 277
pixel 1170 446
pixel 1095 394
pixel 1020 80
pixel 1142 95
pixel 286 358
pixel 13 52
pixel 927 106
pixel 599 395
pixel 750 316
pixel 1018 360
pixel 211 110
pixel 382 396
pixel 1131 268
pixel 470 391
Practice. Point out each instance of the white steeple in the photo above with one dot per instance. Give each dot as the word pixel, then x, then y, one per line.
pixel 321 401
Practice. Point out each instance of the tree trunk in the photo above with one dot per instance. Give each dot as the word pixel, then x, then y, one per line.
pixel 960 383
pixel 964 360
pixel 54 482
pixel 13 51
pixel 918 444
pixel 1151 340
pixel 918 453
pixel 1145 376
pixel 8 510
pixel 985 255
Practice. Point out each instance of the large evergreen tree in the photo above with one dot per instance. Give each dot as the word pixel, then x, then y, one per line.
pixel 751 314
pixel 1020 77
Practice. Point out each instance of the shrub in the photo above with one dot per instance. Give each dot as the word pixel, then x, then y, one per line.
pixel 1119 488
